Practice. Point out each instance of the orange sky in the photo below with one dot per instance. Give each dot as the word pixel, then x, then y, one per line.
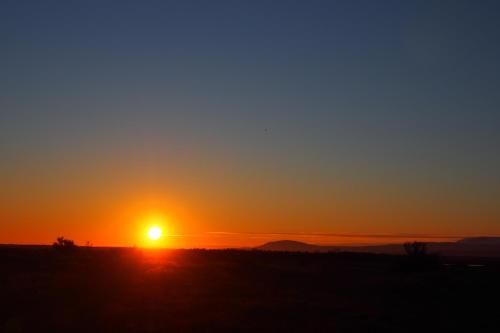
pixel 218 207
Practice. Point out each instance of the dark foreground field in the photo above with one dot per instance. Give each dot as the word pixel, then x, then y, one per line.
pixel 130 290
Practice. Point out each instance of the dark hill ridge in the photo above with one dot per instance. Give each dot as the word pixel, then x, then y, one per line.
pixel 294 246
pixel 471 246
pixel 480 241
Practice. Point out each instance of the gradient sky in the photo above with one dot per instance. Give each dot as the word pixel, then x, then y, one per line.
pixel 238 121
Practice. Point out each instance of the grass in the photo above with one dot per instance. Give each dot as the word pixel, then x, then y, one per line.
pixel 134 290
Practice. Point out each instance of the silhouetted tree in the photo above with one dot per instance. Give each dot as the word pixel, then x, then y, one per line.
pixel 63 244
pixel 415 249
pixel 419 258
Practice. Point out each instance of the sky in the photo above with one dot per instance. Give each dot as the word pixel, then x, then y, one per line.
pixel 238 122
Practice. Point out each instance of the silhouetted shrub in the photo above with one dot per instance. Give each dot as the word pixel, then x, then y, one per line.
pixel 63 244
pixel 415 249
pixel 418 258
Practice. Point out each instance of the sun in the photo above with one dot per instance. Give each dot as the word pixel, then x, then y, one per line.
pixel 153 230
pixel 154 233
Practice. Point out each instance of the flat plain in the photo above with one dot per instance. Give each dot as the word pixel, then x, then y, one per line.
pixel 146 290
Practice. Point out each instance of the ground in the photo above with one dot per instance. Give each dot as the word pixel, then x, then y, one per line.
pixel 134 290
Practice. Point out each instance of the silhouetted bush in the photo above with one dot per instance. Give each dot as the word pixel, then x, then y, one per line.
pixel 418 258
pixel 63 244
pixel 415 249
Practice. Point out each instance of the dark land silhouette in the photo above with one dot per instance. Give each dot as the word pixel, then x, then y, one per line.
pixel 46 289
pixel 467 247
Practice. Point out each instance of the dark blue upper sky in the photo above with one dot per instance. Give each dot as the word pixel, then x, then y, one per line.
pixel 397 94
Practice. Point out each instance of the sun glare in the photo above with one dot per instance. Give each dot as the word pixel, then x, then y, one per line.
pixel 153 230
pixel 154 233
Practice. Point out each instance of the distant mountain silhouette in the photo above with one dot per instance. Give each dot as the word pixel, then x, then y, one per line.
pixel 470 246
pixel 294 246
pixel 480 241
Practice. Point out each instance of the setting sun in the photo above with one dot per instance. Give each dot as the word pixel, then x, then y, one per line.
pixel 152 229
pixel 154 233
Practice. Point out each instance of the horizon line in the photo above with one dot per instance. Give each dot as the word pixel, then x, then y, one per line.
pixel 346 235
